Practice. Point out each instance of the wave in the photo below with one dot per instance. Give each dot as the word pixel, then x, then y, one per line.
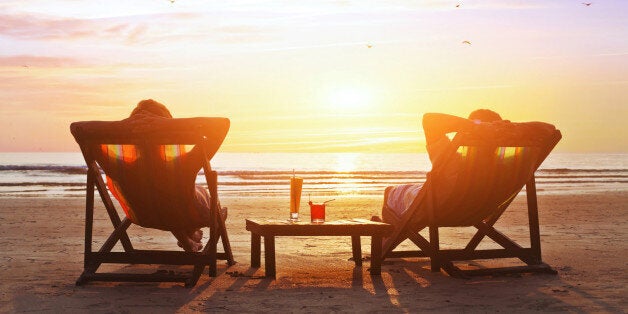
pixel 581 181
pixel 273 173
pixel 587 176
pixel 42 184
pixel 310 172
pixel 329 184
pixel 46 179
pixel 268 174
pixel 46 168
pixel 220 183
pixel 577 170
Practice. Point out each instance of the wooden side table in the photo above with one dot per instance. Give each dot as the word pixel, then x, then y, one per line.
pixel 355 228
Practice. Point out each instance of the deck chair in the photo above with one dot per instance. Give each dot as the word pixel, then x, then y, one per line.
pixel 493 167
pixel 154 192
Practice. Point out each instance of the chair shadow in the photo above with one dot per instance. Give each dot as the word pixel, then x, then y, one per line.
pixel 405 285
pixel 525 292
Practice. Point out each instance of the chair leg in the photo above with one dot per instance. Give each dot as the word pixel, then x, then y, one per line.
pixel 111 210
pixel 227 246
pixel 89 219
pixel 533 220
pixel 390 243
pixel 477 238
pixel 196 274
pixel 213 247
pixel 225 240
pixel 435 258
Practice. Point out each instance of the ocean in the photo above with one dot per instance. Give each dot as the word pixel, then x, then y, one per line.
pixel 324 175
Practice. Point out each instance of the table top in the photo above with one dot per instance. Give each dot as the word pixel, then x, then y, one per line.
pixel 305 227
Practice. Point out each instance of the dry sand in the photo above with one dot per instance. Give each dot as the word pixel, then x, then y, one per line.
pixel 585 237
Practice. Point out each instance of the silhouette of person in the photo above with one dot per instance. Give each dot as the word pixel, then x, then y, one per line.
pixel 174 189
pixel 436 126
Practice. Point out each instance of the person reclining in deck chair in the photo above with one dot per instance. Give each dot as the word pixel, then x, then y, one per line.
pixel 436 126
pixel 144 113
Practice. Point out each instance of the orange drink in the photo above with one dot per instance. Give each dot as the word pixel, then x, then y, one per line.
pixel 296 184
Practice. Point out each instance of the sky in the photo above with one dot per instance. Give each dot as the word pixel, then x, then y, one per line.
pixel 315 76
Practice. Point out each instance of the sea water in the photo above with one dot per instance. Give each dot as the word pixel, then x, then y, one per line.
pixel 328 174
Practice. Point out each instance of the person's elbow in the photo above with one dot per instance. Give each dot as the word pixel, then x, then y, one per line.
pixel 429 120
pixel 429 116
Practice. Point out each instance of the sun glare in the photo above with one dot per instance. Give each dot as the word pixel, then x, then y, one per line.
pixel 349 99
pixel 345 162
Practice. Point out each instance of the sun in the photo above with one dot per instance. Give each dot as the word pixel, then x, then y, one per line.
pixel 349 99
pixel 345 162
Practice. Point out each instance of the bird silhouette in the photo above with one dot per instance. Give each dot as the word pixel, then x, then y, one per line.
pixel 587 3
pixel 466 42
pixel 457 5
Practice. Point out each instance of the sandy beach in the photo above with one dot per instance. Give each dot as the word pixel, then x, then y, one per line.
pixel 584 237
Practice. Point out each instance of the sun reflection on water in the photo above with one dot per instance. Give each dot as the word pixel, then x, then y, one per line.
pixel 345 162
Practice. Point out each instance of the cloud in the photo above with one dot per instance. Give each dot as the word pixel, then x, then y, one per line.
pixel 30 27
pixel 38 61
pixel 130 29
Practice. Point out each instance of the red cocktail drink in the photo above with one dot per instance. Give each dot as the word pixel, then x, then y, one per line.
pixel 317 212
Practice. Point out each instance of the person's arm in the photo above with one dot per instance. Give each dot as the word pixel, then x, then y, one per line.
pixel 193 159
pixel 436 126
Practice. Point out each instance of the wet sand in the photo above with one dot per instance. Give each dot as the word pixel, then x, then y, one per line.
pixel 584 237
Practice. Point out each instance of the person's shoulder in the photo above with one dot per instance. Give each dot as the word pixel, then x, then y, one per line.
pixel 534 127
pixel 505 129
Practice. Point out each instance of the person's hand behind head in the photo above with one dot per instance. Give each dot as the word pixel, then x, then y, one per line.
pixel 484 115
pixel 151 107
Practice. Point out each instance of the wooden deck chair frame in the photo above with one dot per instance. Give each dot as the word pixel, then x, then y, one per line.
pixel 406 228
pixel 208 133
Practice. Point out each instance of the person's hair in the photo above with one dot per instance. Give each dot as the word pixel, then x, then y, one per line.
pixel 149 106
pixel 485 115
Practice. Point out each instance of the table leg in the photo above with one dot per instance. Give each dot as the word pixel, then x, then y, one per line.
pixel 269 256
pixel 255 250
pixel 376 255
pixel 356 247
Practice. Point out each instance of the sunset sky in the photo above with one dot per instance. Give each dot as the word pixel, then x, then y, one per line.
pixel 349 76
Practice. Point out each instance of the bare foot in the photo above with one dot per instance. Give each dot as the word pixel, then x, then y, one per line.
pixel 196 235
pixel 186 242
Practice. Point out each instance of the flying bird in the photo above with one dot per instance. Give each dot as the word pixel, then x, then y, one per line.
pixel 457 5
pixel 587 3
pixel 369 46
pixel 466 42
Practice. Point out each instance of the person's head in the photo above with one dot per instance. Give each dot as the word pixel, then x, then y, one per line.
pixel 149 106
pixel 484 115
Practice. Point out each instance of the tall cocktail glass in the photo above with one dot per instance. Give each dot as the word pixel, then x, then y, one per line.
pixel 296 185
